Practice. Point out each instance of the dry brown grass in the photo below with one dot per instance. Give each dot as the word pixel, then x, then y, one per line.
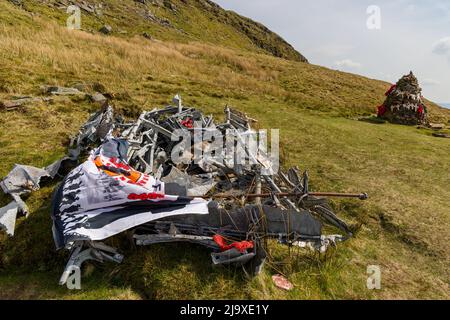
pixel 51 54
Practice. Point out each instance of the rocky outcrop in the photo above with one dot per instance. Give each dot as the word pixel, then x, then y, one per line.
pixel 259 34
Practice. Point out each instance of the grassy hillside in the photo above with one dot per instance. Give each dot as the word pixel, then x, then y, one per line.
pixel 405 170
pixel 176 20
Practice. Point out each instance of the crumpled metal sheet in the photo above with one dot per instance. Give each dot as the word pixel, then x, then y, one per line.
pixel 8 215
pixel 53 169
pixel 61 167
pixel 23 179
pixel 322 245
pixel 231 256
pixel 97 127
pixel 198 185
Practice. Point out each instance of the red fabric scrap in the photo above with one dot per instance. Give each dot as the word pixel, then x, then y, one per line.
pixel 420 111
pixel 240 246
pixel 392 88
pixel 188 123
pixel 381 110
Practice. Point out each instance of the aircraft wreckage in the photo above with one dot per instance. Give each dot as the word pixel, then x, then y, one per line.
pixel 130 182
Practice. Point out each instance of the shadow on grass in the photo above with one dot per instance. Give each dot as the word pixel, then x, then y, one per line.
pixel 372 120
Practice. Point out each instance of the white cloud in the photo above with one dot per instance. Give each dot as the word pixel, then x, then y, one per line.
pixel 348 64
pixel 442 47
pixel 430 82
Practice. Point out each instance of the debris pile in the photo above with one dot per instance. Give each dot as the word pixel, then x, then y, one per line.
pixel 404 103
pixel 167 177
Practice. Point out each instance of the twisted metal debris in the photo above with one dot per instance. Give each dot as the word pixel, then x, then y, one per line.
pixel 229 207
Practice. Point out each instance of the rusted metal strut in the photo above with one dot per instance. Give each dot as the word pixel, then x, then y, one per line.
pixel 360 196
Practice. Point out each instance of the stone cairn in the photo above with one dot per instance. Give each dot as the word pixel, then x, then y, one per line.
pixel 404 103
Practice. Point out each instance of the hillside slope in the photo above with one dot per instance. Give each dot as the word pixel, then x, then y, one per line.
pixel 176 20
pixel 404 224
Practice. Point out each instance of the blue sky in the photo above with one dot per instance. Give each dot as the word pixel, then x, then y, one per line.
pixel 414 35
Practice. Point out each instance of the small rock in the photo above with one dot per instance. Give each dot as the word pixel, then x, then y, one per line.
pixel 437 126
pixel 165 22
pixel 150 16
pixel 16 2
pixel 170 5
pixel 18 103
pixel 98 98
pixel 106 29
pixel 87 7
pixel 8 105
pixel 147 36
pixel 61 91
pixel 441 135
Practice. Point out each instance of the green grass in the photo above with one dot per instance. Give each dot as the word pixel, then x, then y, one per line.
pixel 192 21
pixel 408 242
pixel 405 222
